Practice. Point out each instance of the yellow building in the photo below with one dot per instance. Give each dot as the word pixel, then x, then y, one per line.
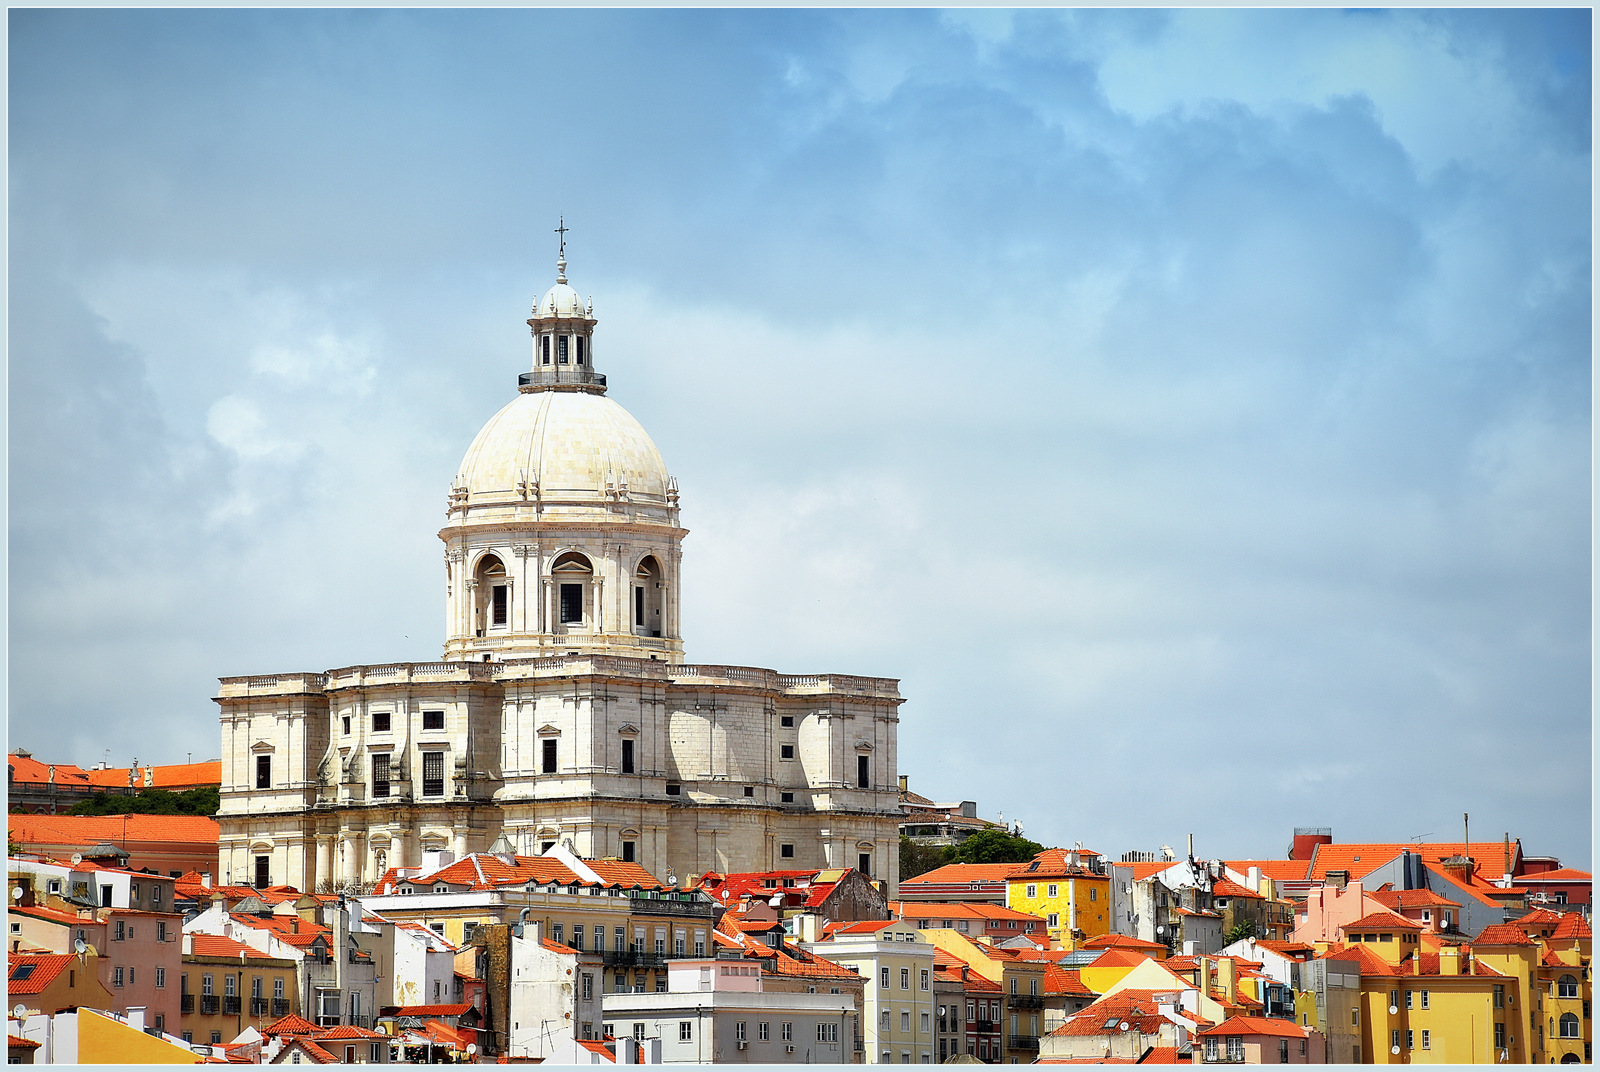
pixel 1069 890
pixel 1449 1007
pixel 1547 954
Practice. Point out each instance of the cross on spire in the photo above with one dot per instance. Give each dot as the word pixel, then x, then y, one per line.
pixel 561 259
pixel 562 231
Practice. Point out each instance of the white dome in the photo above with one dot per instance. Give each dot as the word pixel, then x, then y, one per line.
pixel 560 300
pixel 571 442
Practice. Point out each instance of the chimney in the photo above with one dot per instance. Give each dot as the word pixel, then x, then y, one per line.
pixel 1449 960
pixel 136 1017
pixel 1203 978
pixel 294 924
pixel 1338 879
pixel 625 1046
pixel 1228 979
pixel 1255 879
pixel 205 880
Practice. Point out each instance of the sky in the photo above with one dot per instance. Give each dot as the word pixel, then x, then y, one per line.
pixel 1190 408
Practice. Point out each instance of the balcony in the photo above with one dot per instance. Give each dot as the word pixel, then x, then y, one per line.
pixel 230 1005
pixel 210 1004
pixel 258 1006
pixel 1024 1002
pixel 1022 1042
pixel 186 1003
pixel 280 1006
pixel 985 1026
pixel 631 959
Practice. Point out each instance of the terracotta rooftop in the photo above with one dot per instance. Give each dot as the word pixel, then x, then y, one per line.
pixel 1276 870
pixel 31 973
pixel 93 829
pixel 217 945
pixel 1225 887
pixel 292 1024
pixel 185 775
pixel 28 769
pixel 1401 899
pixel 1256 1025
pixel 1502 934
pixel 1572 926
pixel 962 873
pixel 933 911
pixel 1380 921
pixel 1122 941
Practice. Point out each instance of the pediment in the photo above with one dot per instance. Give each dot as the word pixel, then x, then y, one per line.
pixel 548 730
pixel 263 746
pixel 628 729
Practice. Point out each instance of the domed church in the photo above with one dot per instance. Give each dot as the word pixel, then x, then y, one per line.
pixel 562 710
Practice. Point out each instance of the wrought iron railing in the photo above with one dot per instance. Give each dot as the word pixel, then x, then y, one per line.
pixel 186 1003
pixel 209 1003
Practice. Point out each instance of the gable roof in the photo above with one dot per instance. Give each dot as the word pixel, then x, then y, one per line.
pixel 1226 887
pixel 1572 926
pixel 1399 899
pixel 1256 1025
pixel 293 1024
pixel 1502 934
pixel 1383 919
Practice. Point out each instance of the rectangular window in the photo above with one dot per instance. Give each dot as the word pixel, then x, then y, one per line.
pixel 544 349
pixel 864 772
pixel 548 762
pixel 739 1032
pixel 380 721
pixel 1283 1051
pixel 685 1030
pixel 763 1031
pixel 1052 890
pixel 588 986
pixel 925 1016
pixel 433 720
pixel 558 933
pixel 433 774
pixel 344 725
pixel 627 757
pixel 1410 1038
pixel 1427 1038
pixel 786 751
pixel 380 774
pixel 786 798
pixel 864 863
pixel 121 931
pixel 263 872
pixel 571 604
pixel 1500 998
pixel 1094 893
pixel 263 772
pixel 1499 1034
pixel 786 851
pixel 561 349
pixel 786 720
pixel 1408 999
pixel 827 1032
pixel 786 1031
pixel 627 852
pixel 638 605
pixel 577 937
pixel 884 980
pixel 1053 919
pixel 1235 1048
pixel 161 978
pixel 230 986
pixel 497 605
pixel 677 945
pixel 116 976
pixel 699 943
pixel 1424 999
pixel 924 978
pixel 905 978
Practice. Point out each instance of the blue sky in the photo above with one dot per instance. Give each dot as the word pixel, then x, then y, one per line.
pixel 1191 408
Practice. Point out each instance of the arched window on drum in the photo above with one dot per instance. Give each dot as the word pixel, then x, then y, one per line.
pixel 574 575
pixel 649 590
pixel 493 609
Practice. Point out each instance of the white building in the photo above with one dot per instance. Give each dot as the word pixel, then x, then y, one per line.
pixel 562 708
pixel 897 1015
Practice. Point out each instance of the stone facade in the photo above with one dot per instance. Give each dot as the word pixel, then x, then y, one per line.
pixel 563 710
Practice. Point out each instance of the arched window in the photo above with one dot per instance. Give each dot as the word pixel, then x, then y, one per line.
pixel 649 590
pixel 1570 1029
pixel 573 575
pixel 1567 987
pixel 493 602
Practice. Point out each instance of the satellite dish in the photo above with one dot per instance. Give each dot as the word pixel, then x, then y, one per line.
pixel 20 1012
pixel 79 946
pixel 16 893
pixel 1393 1009
pixel 472 1048
pixel 1125 1025
pixel 77 858
pixel 1394 1049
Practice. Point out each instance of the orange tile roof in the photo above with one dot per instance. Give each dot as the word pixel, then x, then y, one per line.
pixel 931 910
pixel 348 1031
pixel 1502 934
pixel 15 1043
pixel 1059 980
pixel 1559 875
pixel 30 973
pixel 625 873
pixel 1292 950
pixel 28 769
pixel 1121 941
pixel 161 777
pixel 1383 919
pixel 1226 887
pixel 1398 899
pixel 1276 870
pixel 1256 1025
pixel 52 915
pixel 217 945
pixel 1361 860
pixel 1572 925
pixel 963 873
pixel 315 1052
pixel 1137 1007
pixel 293 1024
pixel 93 829
pixel 291 929
pixel 1146 868
pixel 1164 1055
pixel 458 1009
pixel 1118 958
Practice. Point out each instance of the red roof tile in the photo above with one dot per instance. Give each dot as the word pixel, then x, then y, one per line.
pixel 1558 875
pixel 93 829
pixel 1572 926
pixel 216 945
pixel 959 873
pixel 292 1024
pixel 1502 934
pixel 1401 899
pixel 52 915
pixel 315 1052
pixel 1122 941
pixel 15 1043
pixel 624 873
pixel 429 1010
pixel 1118 958
pixel 1225 887
pixel 1256 1025
pixel 1382 920
pixel 28 769
pixel 348 1031
pixel 31 973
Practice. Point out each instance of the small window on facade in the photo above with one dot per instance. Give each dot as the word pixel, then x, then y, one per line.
pixel 548 746
pixel 864 863
pixel 344 725
pixel 685 1030
pixel 544 348
pixel 786 851
pixel 627 756
pixel 864 772
pixel 433 774
pixel 263 772
pixel 380 722
pixel 571 604
pixel 580 349
pixel 749 790
pixel 627 852
pixel 674 790
pixel 638 605
pixel 561 349
pixel 263 872
pixel 786 751
pixel 498 606
pixel 786 798
pixel 433 720
pixel 786 720
pixel 380 774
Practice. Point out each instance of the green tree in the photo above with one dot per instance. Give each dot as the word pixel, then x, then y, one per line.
pixel 1245 928
pixel 205 800
pixel 918 859
pixel 995 847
